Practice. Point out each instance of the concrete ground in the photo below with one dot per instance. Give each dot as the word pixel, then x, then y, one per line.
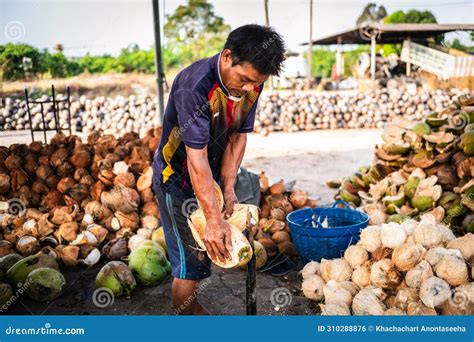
pixel 310 158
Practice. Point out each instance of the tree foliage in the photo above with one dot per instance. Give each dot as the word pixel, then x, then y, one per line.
pixel 194 31
pixel 371 13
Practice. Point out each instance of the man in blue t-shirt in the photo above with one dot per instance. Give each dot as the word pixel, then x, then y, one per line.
pixel 210 110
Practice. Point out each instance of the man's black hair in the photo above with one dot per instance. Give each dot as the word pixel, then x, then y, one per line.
pixel 258 45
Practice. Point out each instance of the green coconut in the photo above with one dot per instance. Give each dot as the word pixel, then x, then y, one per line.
pixel 397 200
pixel 117 277
pixel 396 148
pixel 468 223
pixel 435 121
pixel 149 265
pixel 159 236
pixel 397 218
pixel 469 128
pixel 421 128
pixel 423 159
pixel 456 209
pixel 391 209
pixel 6 294
pixel 8 261
pixel 18 273
pixel 348 197
pixel 410 186
pixel 467 198
pixel 467 143
pixel 44 284
pixel 151 243
pixel 447 198
pixel 333 183
pixel 422 203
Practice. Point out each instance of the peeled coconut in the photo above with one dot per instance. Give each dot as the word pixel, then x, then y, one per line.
pixel 434 255
pixel 117 277
pixel 260 254
pixel 384 274
pixel 465 244
pixel 408 226
pixel 392 235
pixel 356 255
pixel 452 269
pixel 434 292
pixel 335 309
pixel 313 287
pixel 420 309
pixel 415 276
pixel 241 252
pixel 149 265
pixel 366 302
pixel 405 295
pixel 45 284
pixel 159 236
pixel 335 269
pixel 406 256
pixel 135 241
pixel 428 233
pixel 361 276
pixel 311 268
pixel 370 238
pixel 334 292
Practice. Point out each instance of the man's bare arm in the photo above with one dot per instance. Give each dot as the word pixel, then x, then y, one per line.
pixel 218 237
pixel 231 160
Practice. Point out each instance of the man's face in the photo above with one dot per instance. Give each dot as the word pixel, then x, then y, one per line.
pixel 239 78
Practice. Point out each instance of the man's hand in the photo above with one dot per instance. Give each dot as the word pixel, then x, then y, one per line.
pixel 229 200
pixel 218 239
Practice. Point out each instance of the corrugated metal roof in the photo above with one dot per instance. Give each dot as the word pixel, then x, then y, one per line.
pixel 391 33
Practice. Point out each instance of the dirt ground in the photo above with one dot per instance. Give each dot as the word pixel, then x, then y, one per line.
pixel 310 158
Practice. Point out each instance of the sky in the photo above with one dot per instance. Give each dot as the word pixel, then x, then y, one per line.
pixel 106 26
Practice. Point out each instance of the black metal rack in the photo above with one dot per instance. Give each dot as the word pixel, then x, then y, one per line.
pixel 55 103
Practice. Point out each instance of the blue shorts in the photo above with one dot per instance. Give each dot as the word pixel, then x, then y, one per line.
pixel 186 261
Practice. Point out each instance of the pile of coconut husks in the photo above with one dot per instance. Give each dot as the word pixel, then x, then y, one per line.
pixel 412 268
pixel 422 166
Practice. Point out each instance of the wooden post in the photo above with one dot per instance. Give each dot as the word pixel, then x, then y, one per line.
pixel 372 57
pixel 310 46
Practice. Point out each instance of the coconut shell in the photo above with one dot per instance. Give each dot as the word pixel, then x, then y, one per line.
pixel 147 195
pixel 126 179
pixel 129 220
pixel 287 248
pixel 269 245
pixel 298 198
pixel 68 254
pixel 18 179
pixel 97 189
pixel 122 199
pixel 4 183
pixel 67 231
pixel 281 236
pixel 151 208
pixel 81 158
pixel 277 188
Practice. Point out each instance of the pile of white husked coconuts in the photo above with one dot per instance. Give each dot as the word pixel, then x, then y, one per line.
pixel 278 111
pixel 412 268
pixel 299 111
